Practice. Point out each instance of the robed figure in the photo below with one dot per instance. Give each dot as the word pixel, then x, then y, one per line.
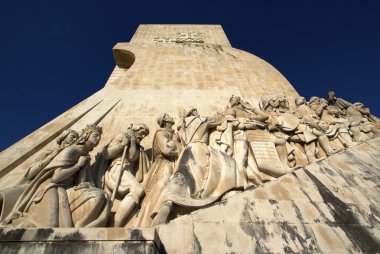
pixel 165 151
pixel 61 194
pixel 203 174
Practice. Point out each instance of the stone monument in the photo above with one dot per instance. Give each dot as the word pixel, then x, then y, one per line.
pixel 193 146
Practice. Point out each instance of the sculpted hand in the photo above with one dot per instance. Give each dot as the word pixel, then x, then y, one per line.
pixel 126 139
pixel 131 135
pixel 83 160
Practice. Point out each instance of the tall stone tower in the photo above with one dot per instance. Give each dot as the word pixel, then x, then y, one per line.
pixel 162 69
pixel 321 205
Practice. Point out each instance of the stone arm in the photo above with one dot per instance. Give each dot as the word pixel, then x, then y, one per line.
pixel 39 164
pixel 254 113
pixel 247 106
pixel 115 147
pixel 251 125
pixel 273 124
pixel 260 116
pixel 61 174
pixel 167 146
pixel 133 152
pixel 372 118
pixel 214 121
pixel 319 109
pixel 311 122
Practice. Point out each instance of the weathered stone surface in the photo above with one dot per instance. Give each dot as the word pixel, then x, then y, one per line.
pixel 253 168
pixel 338 217
pixel 96 240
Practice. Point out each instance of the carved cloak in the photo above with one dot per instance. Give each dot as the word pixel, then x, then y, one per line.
pixel 42 198
pixel 203 174
pixel 165 151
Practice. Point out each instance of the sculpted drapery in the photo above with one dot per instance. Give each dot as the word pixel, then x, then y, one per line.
pixel 128 173
pixel 61 194
pixel 198 165
pixel 203 174
pixel 165 152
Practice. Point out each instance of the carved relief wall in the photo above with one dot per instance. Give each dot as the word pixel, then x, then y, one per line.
pixel 184 121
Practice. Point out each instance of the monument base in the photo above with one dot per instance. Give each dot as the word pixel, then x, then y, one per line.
pixel 84 240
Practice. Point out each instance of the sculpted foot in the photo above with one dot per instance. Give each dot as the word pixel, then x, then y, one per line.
pixel 162 214
pixel 125 208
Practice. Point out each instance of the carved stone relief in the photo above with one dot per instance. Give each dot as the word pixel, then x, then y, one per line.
pixel 192 166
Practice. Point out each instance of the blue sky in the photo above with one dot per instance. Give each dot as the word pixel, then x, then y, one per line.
pixel 54 54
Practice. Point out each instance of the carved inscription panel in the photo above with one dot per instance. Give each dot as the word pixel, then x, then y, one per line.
pixel 266 155
pixel 181 38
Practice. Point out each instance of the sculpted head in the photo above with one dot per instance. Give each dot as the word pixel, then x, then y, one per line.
pixel 284 103
pixel 90 136
pixel 314 100
pixel 191 111
pixel 300 101
pixel 268 103
pixel 68 137
pixel 140 131
pixel 235 100
pixel 323 102
pixel 165 120
pixel 323 125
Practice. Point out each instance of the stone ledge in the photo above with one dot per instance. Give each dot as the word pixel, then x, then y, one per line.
pixel 91 240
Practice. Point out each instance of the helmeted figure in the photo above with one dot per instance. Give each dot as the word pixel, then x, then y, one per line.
pixel 134 169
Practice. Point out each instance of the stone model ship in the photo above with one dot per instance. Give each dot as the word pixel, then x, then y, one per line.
pixel 194 146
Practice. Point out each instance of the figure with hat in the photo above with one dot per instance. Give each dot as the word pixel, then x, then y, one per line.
pixel 203 174
pixel 165 151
